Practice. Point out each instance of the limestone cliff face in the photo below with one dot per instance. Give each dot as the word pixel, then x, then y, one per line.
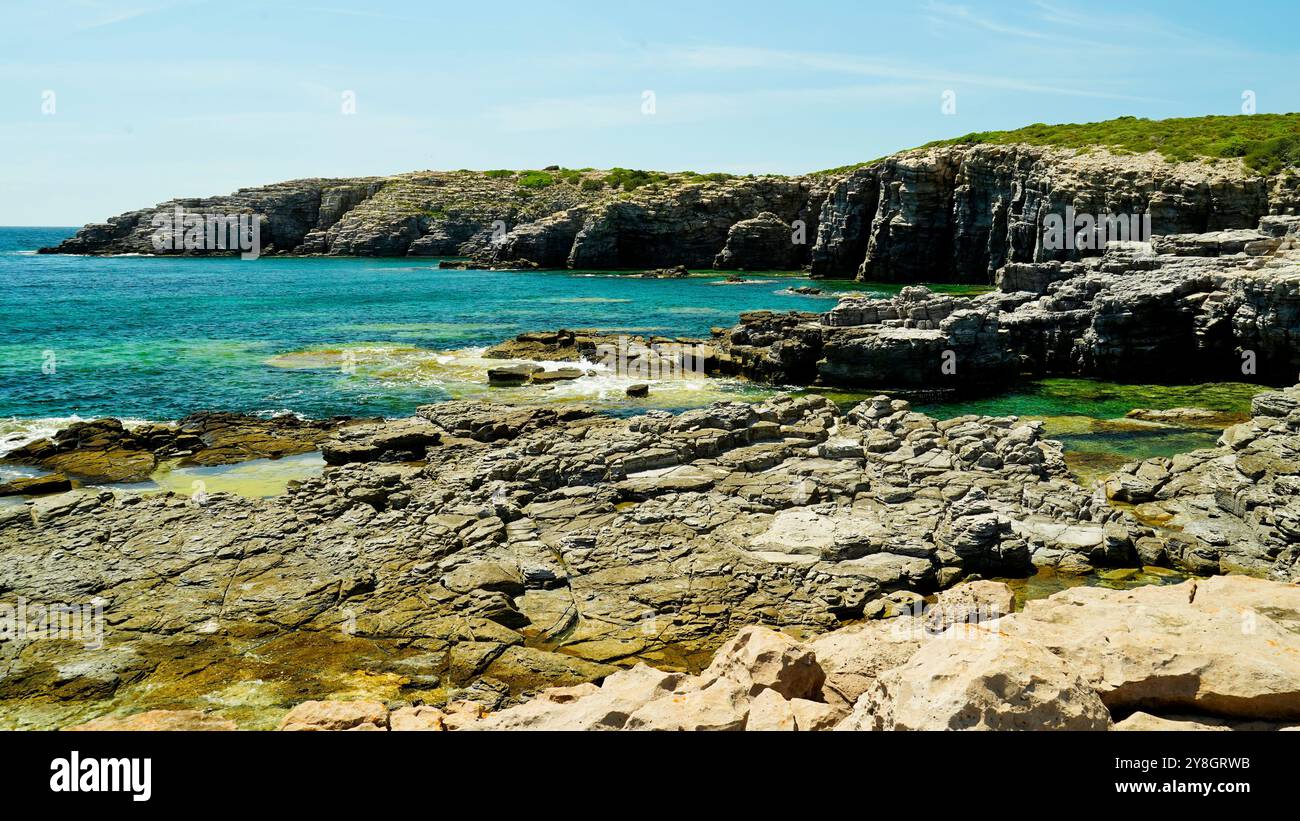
pixel 959 213
pixel 1218 305
pixel 953 213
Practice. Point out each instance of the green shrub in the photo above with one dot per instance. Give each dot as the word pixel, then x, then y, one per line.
pixel 536 179
pixel 499 172
pixel 1268 142
pixel 631 179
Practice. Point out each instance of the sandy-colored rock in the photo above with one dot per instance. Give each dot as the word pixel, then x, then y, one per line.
pixel 1146 721
pixel 159 721
pixel 770 711
pixel 336 715
pixel 852 657
pixel 1223 646
pixel 993 682
pixel 463 715
pixel 418 718
pixel 759 658
pixel 722 705
pixel 1141 721
pixel 585 706
pixel 970 602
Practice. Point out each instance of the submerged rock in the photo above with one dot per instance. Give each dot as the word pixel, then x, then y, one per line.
pixel 1233 508
pixel 36 485
pixel 106 450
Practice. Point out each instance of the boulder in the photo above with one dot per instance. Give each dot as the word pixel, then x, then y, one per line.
pixel 721 705
pixel 417 718
pixel 336 715
pixel 982 682
pixel 770 711
pixel 404 440
pixel 605 708
pixel 36 485
pixel 759 658
pixel 969 603
pixel 852 657
pixel 1223 646
pixel 511 374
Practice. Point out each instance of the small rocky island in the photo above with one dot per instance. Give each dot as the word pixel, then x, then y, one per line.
pixel 787 564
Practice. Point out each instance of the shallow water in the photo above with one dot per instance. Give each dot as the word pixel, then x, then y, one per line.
pixel 1087 417
pixel 256 478
pixel 1047 581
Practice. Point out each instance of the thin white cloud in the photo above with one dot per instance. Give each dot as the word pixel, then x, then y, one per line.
pixel 728 58
pixel 947 11
pixel 614 110
pixel 98 15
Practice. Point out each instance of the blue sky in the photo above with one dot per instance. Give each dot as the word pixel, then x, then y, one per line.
pixel 156 99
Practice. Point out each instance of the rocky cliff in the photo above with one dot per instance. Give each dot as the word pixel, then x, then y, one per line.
pixel 578 220
pixel 1223 304
pixel 958 213
pixel 945 213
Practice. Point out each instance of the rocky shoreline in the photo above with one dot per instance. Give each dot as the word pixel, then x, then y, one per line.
pixel 1197 306
pixel 1216 654
pixel 107 451
pixel 487 552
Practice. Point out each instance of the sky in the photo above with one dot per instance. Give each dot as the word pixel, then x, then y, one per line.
pixel 108 106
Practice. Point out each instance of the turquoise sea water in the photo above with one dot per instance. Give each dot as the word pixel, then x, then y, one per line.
pixel 157 338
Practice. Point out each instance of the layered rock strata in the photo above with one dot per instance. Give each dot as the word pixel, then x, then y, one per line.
pixel 1189 312
pixel 538 546
pixel 953 213
pixel 1233 508
pixel 1216 654
pixel 106 450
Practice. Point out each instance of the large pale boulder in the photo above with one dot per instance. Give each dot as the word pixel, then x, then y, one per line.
pixel 970 602
pixel 585 706
pixel 1225 646
pixel 1141 721
pixel 723 705
pixel 852 657
pixel 972 682
pixel 758 658
pixel 419 718
pixel 336 715
pixel 770 711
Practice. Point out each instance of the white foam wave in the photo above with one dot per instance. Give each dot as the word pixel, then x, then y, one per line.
pixel 16 432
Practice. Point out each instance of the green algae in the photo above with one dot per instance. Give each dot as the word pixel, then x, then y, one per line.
pixel 1047 581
